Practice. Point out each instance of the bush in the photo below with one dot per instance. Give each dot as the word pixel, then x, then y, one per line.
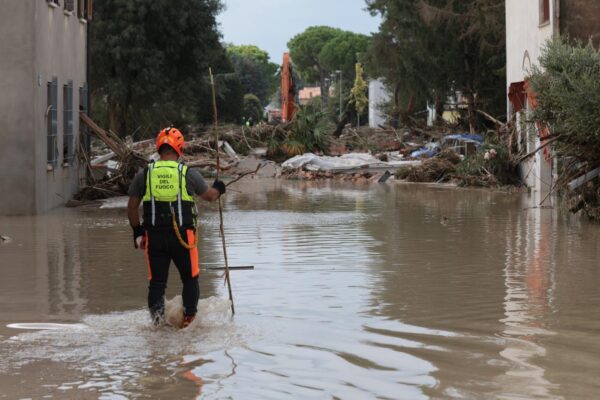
pixel 491 166
pixel 253 108
pixel 309 131
pixel 568 95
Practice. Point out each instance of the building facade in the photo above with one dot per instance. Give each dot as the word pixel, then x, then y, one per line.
pixel 43 86
pixel 378 96
pixel 306 94
pixel 529 24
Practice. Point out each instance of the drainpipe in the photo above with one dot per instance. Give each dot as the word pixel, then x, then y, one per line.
pixel 88 61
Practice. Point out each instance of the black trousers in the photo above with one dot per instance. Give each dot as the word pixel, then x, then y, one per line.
pixel 162 247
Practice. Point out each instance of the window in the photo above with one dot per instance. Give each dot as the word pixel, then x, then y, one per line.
pixel 68 122
pixel 84 9
pixel 53 3
pixel 544 11
pixel 69 5
pixel 52 116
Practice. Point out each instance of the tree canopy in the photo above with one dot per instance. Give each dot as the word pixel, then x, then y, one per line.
pixel 256 73
pixel 150 62
pixel 429 48
pixel 343 52
pixel 319 51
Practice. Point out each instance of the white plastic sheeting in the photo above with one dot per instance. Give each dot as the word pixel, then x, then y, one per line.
pixel 312 162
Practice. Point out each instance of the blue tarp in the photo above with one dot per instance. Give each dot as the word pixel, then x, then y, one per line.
pixel 424 152
pixel 432 151
pixel 464 137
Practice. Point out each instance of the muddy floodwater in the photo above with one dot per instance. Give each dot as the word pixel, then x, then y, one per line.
pixel 381 291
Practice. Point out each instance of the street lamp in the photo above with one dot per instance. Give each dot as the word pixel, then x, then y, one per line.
pixel 341 89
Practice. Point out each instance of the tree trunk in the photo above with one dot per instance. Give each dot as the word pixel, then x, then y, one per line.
pixel 439 109
pixel 340 126
pixel 396 107
pixel 324 94
pixel 472 112
pixel 404 116
pixel 113 117
pixel 469 92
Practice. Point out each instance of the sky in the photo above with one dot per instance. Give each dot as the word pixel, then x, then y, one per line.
pixel 270 24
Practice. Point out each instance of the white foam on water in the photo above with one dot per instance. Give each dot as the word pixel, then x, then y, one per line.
pixel 114 349
pixel 210 311
pixel 45 326
pixel 115 202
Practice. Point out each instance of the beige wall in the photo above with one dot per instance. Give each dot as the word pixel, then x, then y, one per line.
pixel 16 107
pixel 49 44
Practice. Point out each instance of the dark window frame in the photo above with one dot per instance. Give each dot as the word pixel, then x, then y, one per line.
pixel 52 126
pixel 68 137
pixel 69 5
pixel 544 12
pixel 85 9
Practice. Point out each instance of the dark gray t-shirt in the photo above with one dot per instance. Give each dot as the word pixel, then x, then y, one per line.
pixel 194 182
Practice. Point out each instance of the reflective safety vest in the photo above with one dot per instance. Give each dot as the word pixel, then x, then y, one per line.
pixel 167 195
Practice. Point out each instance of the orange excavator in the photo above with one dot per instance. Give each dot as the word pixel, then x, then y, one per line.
pixel 288 89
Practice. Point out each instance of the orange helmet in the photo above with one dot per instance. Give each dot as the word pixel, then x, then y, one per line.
pixel 171 136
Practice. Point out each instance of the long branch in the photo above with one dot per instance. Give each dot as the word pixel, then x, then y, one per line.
pixel 542 146
pixel 240 176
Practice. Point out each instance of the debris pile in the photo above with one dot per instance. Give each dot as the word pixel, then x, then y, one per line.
pixel 110 173
pixel 436 169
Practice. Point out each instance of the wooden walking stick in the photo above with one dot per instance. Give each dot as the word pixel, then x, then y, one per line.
pixel 221 228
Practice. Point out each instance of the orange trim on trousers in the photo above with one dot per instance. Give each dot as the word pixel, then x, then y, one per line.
pixel 193 253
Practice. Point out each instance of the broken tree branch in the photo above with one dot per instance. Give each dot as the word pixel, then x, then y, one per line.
pixel 492 119
pixel 541 147
pixel 240 176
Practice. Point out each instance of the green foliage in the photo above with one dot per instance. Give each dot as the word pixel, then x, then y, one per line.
pixel 320 51
pixel 343 52
pixel 479 170
pixel 310 128
pixel 568 95
pixel 359 91
pixel 256 73
pixel 253 108
pixel 308 132
pixel 305 50
pixel 426 49
pixel 150 62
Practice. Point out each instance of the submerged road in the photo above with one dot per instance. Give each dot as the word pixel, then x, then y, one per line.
pixel 359 292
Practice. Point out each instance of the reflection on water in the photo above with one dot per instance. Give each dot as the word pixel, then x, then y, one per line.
pixel 529 274
pixel 398 292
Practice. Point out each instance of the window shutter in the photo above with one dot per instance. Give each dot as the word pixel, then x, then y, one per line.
pixel 52 153
pixel 68 122
pixel 89 10
pixel 544 11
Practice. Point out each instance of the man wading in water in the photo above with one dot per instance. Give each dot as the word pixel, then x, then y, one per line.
pixel 166 188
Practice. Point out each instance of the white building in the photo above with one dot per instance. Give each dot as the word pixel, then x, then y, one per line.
pixel 378 96
pixel 529 24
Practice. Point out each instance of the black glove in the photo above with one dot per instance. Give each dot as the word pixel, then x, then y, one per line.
pixel 219 185
pixel 137 232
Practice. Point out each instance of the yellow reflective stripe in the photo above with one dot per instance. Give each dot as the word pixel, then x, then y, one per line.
pixel 164 184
